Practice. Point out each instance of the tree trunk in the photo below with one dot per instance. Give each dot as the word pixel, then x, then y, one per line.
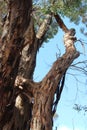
pixel 25 104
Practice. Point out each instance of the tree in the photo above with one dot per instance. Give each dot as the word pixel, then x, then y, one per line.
pixel 25 104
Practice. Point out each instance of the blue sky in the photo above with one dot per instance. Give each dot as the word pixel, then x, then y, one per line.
pixel 74 91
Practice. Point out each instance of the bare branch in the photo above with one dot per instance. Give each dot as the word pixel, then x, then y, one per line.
pixel 82 69
pixel 80 62
pixel 61 23
pixel 61 65
pixel 51 83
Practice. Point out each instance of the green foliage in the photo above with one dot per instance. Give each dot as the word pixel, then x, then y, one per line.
pixel 75 10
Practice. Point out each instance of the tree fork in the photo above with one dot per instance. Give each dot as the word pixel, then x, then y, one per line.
pixel 31 104
pixel 49 86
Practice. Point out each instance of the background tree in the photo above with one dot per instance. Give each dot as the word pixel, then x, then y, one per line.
pixel 25 104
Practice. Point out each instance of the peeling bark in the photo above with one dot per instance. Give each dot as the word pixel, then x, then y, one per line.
pixel 42 111
pixel 11 47
pixel 28 58
pixel 25 104
pixel 44 26
pixel 44 97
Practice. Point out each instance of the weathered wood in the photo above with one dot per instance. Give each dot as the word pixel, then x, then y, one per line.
pixel 17 21
pixel 25 104
pixel 44 96
pixel 61 23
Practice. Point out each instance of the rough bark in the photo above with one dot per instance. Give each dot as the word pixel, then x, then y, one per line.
pixel 60 22
pixel 44 97
pixel 12 42
pixel 25 104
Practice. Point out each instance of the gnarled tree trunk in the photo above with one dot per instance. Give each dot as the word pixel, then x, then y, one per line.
pixel 25 104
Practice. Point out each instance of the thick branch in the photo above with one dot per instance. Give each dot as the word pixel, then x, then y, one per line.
pixel 26 85
pixel 44 26
pixel 61 23
pixel 43 106
pixel 50 82
pixel 58 69
pixel 43 29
